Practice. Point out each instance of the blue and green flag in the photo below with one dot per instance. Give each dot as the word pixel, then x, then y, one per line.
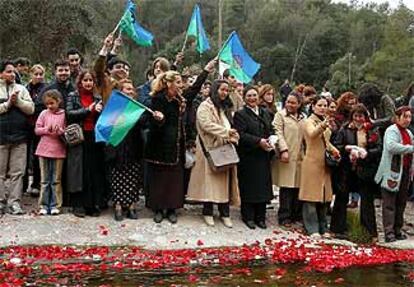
pixel 196 29
pixel 117 118
pixel 238 60
pixel 133 29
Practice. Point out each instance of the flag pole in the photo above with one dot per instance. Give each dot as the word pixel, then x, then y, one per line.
pixel 116 27
pixel 185 42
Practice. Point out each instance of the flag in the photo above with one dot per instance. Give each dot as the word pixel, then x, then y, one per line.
pixel 117 118
pixel 241 65
pixel 196 29
pixel 133 29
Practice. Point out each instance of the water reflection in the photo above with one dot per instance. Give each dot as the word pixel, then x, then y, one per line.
pixel 255 275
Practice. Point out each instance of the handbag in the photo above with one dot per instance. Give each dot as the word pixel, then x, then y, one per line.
pixel 220 158
pixel 73 135
pixel 330 160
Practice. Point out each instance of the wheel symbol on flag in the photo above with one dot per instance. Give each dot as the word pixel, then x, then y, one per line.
pixel 237 61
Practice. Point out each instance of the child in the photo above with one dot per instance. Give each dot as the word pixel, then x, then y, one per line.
pixel 51 152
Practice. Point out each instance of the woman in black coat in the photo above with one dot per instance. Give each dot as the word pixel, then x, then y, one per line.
pixel 165 148
pixel 357 171
pixel 254 125
pixel 85 170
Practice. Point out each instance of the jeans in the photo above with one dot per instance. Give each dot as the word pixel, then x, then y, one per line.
pixel 51 184
pixel 314 217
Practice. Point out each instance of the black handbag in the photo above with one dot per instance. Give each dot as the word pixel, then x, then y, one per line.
pixel 330 160
pixel 73 135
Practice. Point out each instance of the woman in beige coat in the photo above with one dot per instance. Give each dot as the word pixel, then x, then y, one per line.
pixel 214 129
pixel 315 183
pixel 286 168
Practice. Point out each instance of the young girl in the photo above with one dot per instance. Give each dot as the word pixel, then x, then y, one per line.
pixel 51 152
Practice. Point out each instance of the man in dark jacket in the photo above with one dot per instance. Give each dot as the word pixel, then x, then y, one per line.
pixel 284 91
pixel 15 105
pixel 61 83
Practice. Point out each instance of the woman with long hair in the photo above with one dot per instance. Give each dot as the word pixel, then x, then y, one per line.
pixel 214 118
pixel 86 183
pixel 315 184
pixel 267 99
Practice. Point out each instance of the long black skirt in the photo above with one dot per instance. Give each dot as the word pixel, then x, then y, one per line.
pixel 94 187
pixel 165 186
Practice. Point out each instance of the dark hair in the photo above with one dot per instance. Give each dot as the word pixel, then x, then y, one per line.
pixel 370 95
pixel 226 74
pixel 401 110
pixel 225 104
pixel 315 100
pixel 358 109
pixel 54 94
pixel 61 62
pixel 4 64
pixel 248 88
pixel 207 82
pixel 82 74
pixel 74 51
pixel 149 73
pixel 409 93
pixel 165 64
pixel 115 61
pixel 22 61
pixel 298 97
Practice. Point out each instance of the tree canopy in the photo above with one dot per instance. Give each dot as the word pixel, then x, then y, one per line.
pixel 307 41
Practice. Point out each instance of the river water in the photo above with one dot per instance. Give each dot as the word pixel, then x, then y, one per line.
pixel 262 275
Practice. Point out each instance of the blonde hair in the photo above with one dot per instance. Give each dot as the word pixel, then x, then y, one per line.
pixel 37 66
pixel 160 83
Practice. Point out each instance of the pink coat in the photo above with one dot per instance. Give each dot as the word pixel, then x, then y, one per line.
pixel 50 145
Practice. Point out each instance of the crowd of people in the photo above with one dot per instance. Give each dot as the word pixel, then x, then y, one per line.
pixel 316 148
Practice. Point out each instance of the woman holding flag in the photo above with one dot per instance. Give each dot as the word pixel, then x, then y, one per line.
pixel 165 148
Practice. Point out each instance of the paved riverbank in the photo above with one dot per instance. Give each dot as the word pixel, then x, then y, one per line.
pixel 189 232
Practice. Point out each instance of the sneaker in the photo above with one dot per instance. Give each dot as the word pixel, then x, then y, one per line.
pixel 15 209
pixel 227 222
pixel 209 220
pixel 54 211
pixel 42 211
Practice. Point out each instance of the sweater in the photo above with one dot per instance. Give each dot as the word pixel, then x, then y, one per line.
pixel 50 145
pixel 14 124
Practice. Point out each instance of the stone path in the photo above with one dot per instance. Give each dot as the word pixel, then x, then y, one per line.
pixel 189 232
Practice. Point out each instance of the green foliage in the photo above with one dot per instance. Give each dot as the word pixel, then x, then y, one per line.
pixel 356 232
pixel 307 39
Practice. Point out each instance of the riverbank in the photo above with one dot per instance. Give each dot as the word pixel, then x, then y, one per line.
pixel 189 232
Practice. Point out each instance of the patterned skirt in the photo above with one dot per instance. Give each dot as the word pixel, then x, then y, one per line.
pixel 126 181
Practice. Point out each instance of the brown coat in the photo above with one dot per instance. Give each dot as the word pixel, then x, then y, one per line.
pixel 315 184
pixel 288 129
pixel 105 83
pixel 206 185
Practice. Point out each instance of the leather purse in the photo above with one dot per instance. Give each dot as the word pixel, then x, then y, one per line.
pixel 220 158
pixel 73 135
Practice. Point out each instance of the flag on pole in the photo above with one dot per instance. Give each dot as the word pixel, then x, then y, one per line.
pixel 241 65
pixel 117 118
pixel 133 29
pixel 196 29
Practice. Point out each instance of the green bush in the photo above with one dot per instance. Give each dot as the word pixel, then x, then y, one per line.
pixel 356 232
